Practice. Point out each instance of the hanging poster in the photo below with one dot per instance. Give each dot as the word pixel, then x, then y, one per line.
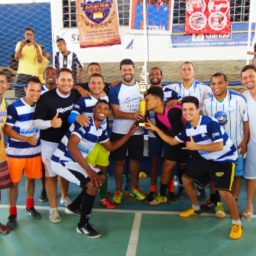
pixel 98 22
pixel 207 17
pixel 159 15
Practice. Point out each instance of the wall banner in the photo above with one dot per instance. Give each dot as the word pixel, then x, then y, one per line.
pixel 159 16
pixel 208 17
pixel 98 22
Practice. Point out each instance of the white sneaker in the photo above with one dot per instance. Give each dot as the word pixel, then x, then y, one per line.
pixel 65 201
pixel 54 216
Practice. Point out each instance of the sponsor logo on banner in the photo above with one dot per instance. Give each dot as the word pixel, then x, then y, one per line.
pixel 98 22
pixel 159 16
pixel 208 17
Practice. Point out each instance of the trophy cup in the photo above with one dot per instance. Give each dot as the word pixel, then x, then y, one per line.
pixel 143 86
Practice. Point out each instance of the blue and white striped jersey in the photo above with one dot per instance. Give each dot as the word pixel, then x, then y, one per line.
pixel 209 131
pixel 127 97
pixel 198 89
pixel 20 117
pixel 89 136
pixel 231 114
pixel 85 105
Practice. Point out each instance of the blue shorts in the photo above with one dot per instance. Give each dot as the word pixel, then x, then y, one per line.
pixel 250 161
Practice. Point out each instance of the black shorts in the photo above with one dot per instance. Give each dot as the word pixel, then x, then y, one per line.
pixel 134 146
pixel 202 171
pixel 174 153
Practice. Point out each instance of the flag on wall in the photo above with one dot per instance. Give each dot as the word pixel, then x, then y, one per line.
pixel 208 17
pixel 159 15
pixel 98 22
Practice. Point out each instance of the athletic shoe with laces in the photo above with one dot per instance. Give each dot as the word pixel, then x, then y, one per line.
pixel 158 200
pixel 150 196
pixel 189 213
pixel 33 213
pixel 118 197
pixel 88 231
pixel 138 194
pixel 171 197
pixel 208 206
pixel 107 203
pixel 4 229
pixel 65 201
pixel 43 196
pixel 54 216
pixel 12 222
pixel 219 211
pixel 236 231
pixel 70 211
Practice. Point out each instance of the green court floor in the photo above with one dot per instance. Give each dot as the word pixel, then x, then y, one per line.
pixel 126 233
pixel 134 228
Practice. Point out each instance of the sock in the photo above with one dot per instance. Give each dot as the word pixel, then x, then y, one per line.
pixel 30 203
pixel 76 203
pixel 196 207
pixel 171 185
pixel 153 188
pixel 13 210
pixel 163 188
pixel 238 222
pixel 104 189
pixel 86 209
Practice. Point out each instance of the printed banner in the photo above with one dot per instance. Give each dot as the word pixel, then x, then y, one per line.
pixel 238 37
pixel 208 17
pixel 159 15
pixel 98 22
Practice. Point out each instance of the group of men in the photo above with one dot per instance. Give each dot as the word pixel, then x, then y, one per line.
pixel 66 129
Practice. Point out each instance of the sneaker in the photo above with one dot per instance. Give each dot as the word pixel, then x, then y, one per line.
pixel 33 213
pixel 12 222
pixel 43 196
pixel 107 203
pixel 70 211
pixel 189 213
pixel 236 232
pixel 171 197
pixel 158 200
pixel 4 229
pixel 118 197
pixel 65 201
pixel 219 211
pixel 88 231
pixel 54 216
pixel 151 196
pixel 208 206
pixel 137 193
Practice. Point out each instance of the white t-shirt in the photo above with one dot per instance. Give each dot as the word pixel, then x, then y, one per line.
pixel 127 97
pixel 251 103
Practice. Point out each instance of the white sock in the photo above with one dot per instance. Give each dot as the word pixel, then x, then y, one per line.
pixel 196 207
pixel 237 222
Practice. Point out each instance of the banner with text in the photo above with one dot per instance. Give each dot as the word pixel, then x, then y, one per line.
pixel 98 22
pixel 159 15
pixel 207 17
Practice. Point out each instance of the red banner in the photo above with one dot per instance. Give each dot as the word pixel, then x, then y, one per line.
pixel 98 22
pixel 208 17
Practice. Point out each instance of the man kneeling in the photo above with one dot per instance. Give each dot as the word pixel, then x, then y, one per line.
pixel 69 161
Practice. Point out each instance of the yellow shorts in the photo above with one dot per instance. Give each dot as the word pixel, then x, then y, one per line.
pixel 31 166
pixel 98 156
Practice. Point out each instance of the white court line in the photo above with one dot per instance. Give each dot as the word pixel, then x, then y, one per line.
pixel 123 211
pixel 134 237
